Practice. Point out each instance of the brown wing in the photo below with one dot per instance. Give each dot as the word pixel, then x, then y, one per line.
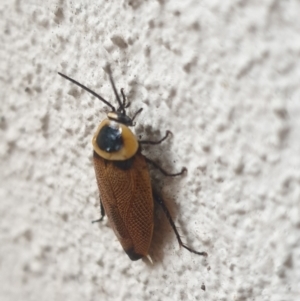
pixel 126 195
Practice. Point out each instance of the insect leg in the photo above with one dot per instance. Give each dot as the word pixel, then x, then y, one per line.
pixel 154 164
pixel 102 214
pixel 161 202
pixel 156 142
pixel 125 105
pixel 136 113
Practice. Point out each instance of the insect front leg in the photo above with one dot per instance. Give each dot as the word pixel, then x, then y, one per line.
pixel 125 103
pixel 102 214
pixel 154 164
pixel 168 133
pixel 161 202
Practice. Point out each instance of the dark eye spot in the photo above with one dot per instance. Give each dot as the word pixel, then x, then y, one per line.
pixel 109 139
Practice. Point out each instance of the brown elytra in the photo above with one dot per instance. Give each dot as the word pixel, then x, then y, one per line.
pixel 126 195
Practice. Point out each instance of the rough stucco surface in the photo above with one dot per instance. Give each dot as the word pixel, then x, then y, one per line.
pixel 223 76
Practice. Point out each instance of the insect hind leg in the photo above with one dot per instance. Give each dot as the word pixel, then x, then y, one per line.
pixel 102 214
pixel 161 202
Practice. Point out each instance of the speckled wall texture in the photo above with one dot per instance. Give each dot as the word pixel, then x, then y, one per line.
pixel 223 76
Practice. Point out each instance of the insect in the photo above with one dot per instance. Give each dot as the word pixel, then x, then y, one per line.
pixel 126 193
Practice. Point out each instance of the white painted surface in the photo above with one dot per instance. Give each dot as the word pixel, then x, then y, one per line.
pixel 223 76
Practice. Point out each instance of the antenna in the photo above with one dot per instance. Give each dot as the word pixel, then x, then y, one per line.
pixel 115 90
pixel 89 90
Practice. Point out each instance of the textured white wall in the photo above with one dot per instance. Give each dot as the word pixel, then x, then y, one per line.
pixel 223 76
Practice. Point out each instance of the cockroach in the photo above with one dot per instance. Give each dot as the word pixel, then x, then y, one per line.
pixel 126 193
